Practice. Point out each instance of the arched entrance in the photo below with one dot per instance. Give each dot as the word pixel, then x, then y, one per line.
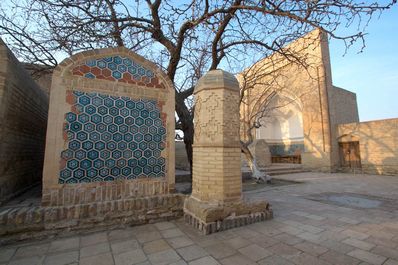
pixel 282 128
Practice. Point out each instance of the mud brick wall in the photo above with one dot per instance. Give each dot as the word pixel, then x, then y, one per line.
pixel 23 121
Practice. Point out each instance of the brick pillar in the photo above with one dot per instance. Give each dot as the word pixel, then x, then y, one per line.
pixel 216 150
pixel 216 202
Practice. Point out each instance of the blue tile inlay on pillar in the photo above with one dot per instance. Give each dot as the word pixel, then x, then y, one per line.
pixel 111 138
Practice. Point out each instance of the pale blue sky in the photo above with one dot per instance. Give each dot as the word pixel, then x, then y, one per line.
pixel 372 74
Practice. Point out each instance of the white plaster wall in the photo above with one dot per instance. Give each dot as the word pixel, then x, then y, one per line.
pixel 284 123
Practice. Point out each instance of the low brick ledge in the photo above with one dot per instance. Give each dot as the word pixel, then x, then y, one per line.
pixel 25 220
pixel 227 223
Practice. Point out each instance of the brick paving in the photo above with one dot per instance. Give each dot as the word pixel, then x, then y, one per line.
pixel 303 231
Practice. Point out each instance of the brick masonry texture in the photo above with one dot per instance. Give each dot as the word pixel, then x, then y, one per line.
pixel 216 175
pixel 378 142
pixel 41 74
pixel 15 222
pixel 216 202
pixel 23 120
pixel 321 103
pixel 102 192
pixel 227 223
pixel 108 138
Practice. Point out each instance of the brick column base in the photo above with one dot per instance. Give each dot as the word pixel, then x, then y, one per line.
pixel 208 218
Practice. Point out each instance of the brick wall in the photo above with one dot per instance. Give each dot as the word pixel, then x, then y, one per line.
pixel 343 109
pixel 42 75
pixel 343 106
pixel 23 121
pixel 323 106
pixel 378 144
pixel 38 221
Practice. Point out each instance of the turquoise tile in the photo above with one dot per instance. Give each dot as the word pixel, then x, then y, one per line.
pixel 111 137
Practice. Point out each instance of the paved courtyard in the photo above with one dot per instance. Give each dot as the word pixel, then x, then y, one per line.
pixel 327 219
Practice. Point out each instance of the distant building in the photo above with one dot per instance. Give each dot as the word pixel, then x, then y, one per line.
pixel 298 111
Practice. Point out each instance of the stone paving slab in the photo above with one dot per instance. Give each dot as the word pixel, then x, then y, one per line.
pixel 303 231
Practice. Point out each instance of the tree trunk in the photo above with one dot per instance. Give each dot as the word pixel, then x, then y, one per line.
pixel 188 141
pixel 251 161
pixel 186 120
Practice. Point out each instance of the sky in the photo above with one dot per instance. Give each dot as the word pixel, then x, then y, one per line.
pixel 372 74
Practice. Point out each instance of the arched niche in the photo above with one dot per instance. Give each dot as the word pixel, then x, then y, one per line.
pixel 110 130
pixel 282 126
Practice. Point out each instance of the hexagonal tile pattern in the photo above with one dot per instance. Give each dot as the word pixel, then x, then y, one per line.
pixel 112 137
pixel 116 68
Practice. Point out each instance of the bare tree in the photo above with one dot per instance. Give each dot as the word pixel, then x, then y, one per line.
pixel 185 39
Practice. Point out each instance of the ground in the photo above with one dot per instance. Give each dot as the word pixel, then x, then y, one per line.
pixel 326 219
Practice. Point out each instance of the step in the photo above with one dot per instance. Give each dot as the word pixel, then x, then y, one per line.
pixel 284 172
pixel 268 169
pixel 246 174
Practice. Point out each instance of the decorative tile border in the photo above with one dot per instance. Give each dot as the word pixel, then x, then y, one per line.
pixel 111 137
pixel 118 68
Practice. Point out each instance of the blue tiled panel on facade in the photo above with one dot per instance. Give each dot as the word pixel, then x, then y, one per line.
pixel 112 138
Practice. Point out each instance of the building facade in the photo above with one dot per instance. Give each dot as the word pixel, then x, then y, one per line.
pixel 291 103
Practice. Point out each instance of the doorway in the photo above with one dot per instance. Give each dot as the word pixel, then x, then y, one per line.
pixel 350 155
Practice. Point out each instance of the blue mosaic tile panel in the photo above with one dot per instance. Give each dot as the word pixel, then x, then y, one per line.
pixel 110 138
